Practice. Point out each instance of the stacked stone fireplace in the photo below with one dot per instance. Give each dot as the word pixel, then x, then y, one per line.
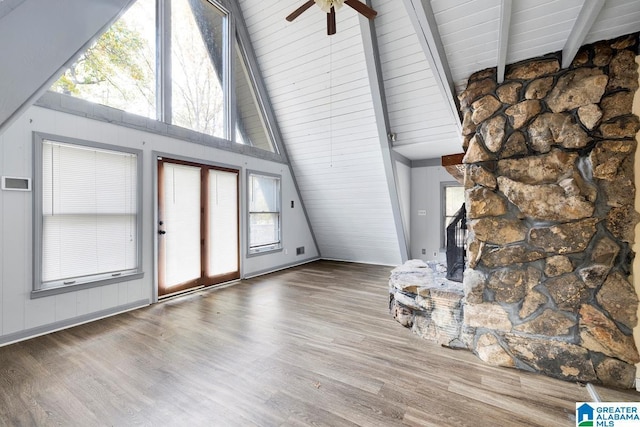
pixel 550 205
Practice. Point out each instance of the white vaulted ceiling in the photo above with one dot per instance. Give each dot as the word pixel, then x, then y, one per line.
pixel 333 108
pixel 418 114
pixel 319 89
pixel 470 29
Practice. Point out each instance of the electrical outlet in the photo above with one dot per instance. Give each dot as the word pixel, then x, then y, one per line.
pixel 286 252
pixel 424 252
pixel 435 254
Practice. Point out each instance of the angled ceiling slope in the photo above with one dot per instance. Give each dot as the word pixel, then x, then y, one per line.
pixel 479 34
pixel 29 65
pixel 422 114
pixel 320 91
pixel 460 37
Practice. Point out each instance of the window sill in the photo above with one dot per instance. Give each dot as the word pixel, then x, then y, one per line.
pixel 41 293
pixel 264 251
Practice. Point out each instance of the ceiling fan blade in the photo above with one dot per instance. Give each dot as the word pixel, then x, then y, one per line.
pixel 299 10
pixel 362 8
pixel 331 22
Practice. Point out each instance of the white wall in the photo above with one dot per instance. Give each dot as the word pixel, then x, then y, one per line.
pixel 425 195
pixel 22 316
pixel 403 185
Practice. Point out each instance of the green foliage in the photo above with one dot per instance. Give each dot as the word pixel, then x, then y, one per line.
pixel 116 64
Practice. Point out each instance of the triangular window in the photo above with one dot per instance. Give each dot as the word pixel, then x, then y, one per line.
pixel 183 80
pixel 119 69
pixel 251 127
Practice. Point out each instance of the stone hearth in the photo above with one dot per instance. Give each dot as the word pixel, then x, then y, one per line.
pixel 422 299
pixel 549 173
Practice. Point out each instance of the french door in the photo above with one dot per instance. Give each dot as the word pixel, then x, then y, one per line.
pixel 198 233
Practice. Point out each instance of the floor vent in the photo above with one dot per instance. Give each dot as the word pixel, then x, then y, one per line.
pixel 300 250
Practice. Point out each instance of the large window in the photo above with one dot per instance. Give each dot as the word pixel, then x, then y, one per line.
pixel 119 69
pixel 197 73
pixel 264 213
pixel 452 201
pixel 251 128
pixel 185 79
pixel 87 222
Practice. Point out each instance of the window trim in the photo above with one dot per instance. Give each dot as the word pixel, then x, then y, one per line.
pixel 443 210
pixel 234 34
pixel 266 249
pixel 164 81
pixel 242 54
pixel 94 280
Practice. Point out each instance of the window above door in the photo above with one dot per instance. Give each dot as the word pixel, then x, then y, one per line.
pixel 177 61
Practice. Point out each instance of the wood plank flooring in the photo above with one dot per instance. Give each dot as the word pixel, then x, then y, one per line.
pixel 310 346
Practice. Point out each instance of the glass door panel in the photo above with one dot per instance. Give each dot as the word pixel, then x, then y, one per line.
pixel 179 227
pixel 198 226
pixel 223 223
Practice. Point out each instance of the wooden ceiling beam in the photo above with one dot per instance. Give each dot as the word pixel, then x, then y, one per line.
pixel 452 159
pixel 503 37
pixel 587 16
pixel 453 164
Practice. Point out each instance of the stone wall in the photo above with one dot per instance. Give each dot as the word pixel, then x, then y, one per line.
pixel 550 203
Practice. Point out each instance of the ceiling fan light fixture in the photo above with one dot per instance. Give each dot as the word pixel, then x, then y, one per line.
pixel 326 5
pixel 330 6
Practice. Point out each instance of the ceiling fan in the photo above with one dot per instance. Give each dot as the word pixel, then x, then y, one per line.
pixel 330 6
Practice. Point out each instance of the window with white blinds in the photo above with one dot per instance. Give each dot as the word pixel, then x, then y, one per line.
pixel 264 213
pixel 89 228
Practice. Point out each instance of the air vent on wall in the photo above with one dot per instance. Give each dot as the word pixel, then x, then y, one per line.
pixel 16 184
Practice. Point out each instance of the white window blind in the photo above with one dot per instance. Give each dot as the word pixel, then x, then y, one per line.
pixel 181 214
pixel 223 222
pixel 264 212
pixel 89 214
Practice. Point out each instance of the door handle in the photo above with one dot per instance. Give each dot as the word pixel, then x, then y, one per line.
pixel 162 232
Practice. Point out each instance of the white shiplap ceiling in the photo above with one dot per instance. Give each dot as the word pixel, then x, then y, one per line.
pixel 418 114
pixel 468 32
pixel 470 29
pixel 320 90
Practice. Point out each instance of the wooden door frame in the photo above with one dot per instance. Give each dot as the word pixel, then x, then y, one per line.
pixel 205 278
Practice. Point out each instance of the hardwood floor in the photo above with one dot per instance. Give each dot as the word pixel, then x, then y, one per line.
pixel 314 345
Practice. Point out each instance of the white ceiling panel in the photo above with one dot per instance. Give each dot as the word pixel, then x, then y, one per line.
pixel 469 33
pixel 540 27
pixel 414 103
pixel 319 88
pixel 617 18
